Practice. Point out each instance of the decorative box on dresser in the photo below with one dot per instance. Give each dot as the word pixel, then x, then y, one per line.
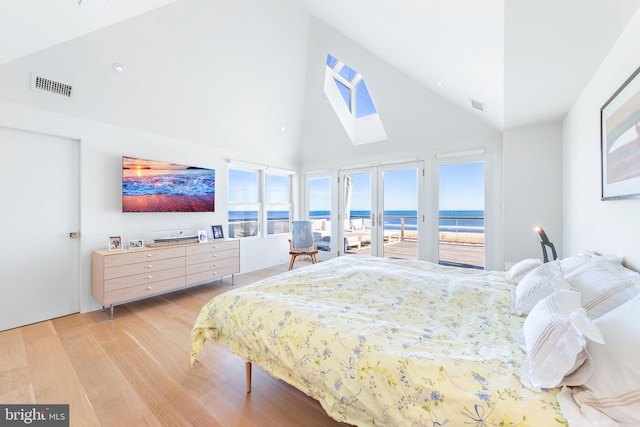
pixel 120 276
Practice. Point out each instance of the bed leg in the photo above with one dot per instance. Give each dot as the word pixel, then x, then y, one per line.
pixel 248 375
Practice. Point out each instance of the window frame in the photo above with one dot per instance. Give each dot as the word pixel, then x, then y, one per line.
pixel 261 199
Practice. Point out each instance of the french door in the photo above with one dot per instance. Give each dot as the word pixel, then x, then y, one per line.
pixel 379 211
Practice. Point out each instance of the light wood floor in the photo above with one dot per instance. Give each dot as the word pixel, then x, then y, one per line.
pixel 134 370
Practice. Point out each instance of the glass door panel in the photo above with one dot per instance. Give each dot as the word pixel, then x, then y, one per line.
pixel 319 210
pixel 461 215
pixel 399 231
pixel 356 216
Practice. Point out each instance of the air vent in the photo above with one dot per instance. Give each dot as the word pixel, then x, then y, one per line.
pixel 478 105
pixel 51 86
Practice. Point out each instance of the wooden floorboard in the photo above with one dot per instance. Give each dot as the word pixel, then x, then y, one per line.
pixel 134 370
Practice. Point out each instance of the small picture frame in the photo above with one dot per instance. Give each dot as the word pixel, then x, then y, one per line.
pixel 115 243
pixel 217 232
pixel 202 236
pixel 135 244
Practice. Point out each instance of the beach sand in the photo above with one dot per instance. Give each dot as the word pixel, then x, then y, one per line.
pixel 165 203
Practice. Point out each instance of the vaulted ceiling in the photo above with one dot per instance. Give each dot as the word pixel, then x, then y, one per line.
pixel 525 61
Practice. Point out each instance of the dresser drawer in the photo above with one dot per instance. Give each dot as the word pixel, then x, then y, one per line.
pixel 151 266
pixel 212 256
pixel 213 265
pixel 141 291
pixel 137 256
pixel 208 276
pixel 212 247
pixel 141 279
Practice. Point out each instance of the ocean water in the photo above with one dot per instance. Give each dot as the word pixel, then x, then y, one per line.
pixel 196 182
pixel 470 221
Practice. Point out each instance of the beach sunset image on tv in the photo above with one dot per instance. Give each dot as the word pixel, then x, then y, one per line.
pixel 153 186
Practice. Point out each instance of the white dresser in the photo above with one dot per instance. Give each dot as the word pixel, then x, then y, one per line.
pixel 120 276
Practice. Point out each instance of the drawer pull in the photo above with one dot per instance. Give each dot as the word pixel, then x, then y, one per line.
pixel 149 277
pixel 149 266
pixel 215 264
pixel 215 255
pixel 149 288
pixel 149 255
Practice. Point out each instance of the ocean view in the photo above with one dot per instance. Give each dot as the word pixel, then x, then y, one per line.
pixel 469 221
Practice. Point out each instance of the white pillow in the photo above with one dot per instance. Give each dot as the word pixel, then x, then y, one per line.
pixel 614 387
pixel 569 264
pixel 554 336
pixel 536 285
pixel 520 269
pixel 604 285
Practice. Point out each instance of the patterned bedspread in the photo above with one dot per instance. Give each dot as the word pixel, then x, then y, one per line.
pixel 385 342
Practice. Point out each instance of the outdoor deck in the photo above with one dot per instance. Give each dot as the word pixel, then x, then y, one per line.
pixel 451 253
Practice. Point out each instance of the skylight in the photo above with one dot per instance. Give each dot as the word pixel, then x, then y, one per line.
pixel 350 98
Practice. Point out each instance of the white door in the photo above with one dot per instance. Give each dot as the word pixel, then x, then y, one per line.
pixel 39 189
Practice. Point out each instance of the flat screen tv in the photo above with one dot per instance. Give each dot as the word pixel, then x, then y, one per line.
pixel 153 186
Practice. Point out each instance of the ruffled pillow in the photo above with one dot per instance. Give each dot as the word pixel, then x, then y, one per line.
pixel 554 336
pixel 611 396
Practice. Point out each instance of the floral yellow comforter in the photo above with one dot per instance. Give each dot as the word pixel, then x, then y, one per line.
pixel 385 342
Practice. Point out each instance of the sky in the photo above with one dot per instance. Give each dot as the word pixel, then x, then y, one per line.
pixel 460 187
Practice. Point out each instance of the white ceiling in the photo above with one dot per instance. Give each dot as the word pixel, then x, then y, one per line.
pixel 526 61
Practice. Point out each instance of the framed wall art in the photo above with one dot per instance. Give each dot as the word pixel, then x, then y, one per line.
pixel 620 142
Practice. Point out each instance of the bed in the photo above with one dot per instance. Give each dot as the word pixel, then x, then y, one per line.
pixel 395 342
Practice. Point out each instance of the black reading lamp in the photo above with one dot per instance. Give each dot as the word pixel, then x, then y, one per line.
pixel 545 242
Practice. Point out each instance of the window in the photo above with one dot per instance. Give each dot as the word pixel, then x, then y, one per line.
pixel 244 205
pixel 277 197
pixel 350 98
pixel 259 201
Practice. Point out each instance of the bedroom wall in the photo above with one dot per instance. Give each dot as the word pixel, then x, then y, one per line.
pixel 414 117
pixel 532 157
pixel 608 227
pixel 101 148
pixel 419 124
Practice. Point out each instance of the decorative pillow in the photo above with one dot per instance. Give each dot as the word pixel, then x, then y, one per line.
pixel 614 387
pixel 520 269
pixel 554 336
pixel 537 284
pixel 604 285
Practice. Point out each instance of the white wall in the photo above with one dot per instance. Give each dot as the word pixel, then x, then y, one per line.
pixel 419 124
pixel 609 227
pixel 532 189
pixel 101 149
pixel 414 117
